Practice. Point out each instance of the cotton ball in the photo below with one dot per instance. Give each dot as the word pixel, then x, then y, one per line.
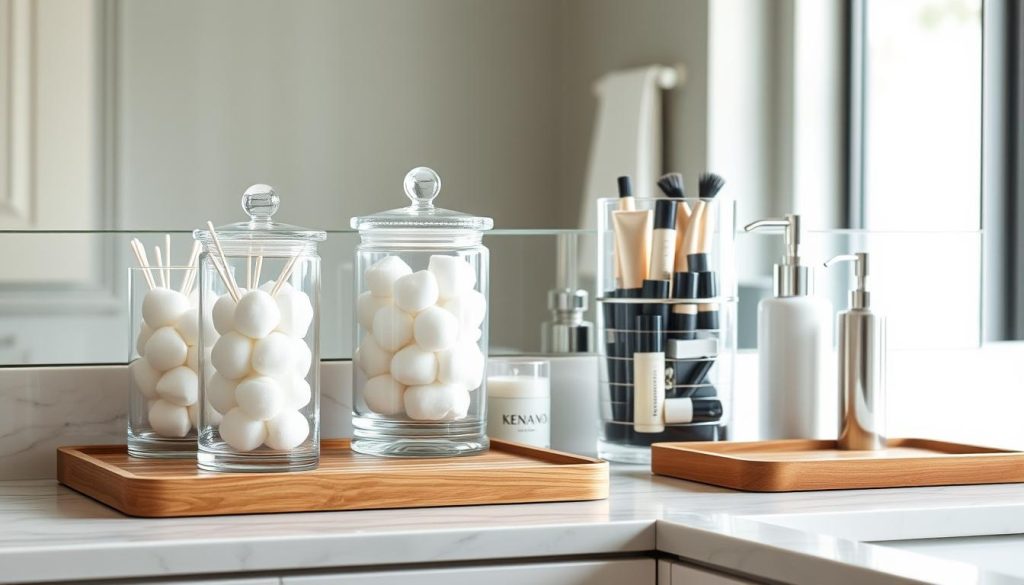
pixel 179 386
pixel 415 292
pixel 145 377
pixel 296 312
pixel 287 430
pixel 240 432
pixel 166 349
pixel 224 314
pixel 260 397
pixel 367 306
pixel 145 332
pixel 213 417
pixel 220 393
pixel 188 326
pixel 430 401
pixel 381 277
pixel 470 308
pixel 454 275
pixel 192 359
pixel 435 329
pixel 460 405
pixel 413 365
pixel 269 286
pixel 371 358
pixel 257 314
pixel 303 357
pixel 384 395
pixel 272 355
pixel 231 355
pixel 161 307
pixel 297 392
pixel 169 420
pixel 462 366
pixel 392 328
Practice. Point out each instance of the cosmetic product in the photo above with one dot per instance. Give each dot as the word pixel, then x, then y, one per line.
pixel 633 230
pixel 420 365
pixel 649 376
pixel 692 410
pixel 567 331
pixel 707 280
pixel 664 241
pixel 861 365
pixel 519 401
pixel 626 203
pixel 259 388
pixel 794 339
pixel 690 361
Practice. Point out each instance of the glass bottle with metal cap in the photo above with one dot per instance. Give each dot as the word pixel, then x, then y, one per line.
pixel 794 343
pixel 861 365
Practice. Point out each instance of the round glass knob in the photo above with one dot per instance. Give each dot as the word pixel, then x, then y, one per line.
pixel 260 202
pixel 421 186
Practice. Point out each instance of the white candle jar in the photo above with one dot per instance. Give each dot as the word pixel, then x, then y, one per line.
pixel 421 335
pixel 260 380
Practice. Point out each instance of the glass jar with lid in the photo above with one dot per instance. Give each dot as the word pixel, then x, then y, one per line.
pixel 259 286
pixel 421 333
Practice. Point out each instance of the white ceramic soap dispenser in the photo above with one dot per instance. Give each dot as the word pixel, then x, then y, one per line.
pixel 794 347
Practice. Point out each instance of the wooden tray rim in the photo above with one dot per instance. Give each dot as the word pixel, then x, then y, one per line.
pixel 737 455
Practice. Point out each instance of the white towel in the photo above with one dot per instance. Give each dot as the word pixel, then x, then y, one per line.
pixel 627 135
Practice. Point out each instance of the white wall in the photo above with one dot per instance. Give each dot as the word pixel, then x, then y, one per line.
pixel 332 102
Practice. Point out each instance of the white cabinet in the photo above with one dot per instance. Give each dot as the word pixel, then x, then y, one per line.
pixel 674 573
pixel 611 572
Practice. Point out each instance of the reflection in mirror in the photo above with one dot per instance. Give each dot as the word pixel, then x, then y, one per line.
pixel 152 115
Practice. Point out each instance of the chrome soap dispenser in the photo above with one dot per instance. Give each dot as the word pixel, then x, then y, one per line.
pixel 861 365
pixel 794 349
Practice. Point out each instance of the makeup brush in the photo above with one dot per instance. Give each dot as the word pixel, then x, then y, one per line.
pixel 671 184
pixel 707 281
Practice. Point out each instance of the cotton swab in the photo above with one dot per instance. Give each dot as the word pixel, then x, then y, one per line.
pixel 248 272
pixel 230 281
pixel 193 259
pixel 167 256
pixel 144 265
pixel 145 260
pixel 286 273
pixel 259 269
pixel 160 265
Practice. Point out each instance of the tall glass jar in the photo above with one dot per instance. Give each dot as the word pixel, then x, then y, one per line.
pixel 421 338
pixel 164 392
pixel 260 282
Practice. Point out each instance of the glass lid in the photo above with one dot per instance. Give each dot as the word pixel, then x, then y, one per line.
pixel 421 187
pixel 260 203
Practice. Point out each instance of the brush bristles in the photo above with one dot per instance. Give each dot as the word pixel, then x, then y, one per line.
pixel 710 185
pixel 671 184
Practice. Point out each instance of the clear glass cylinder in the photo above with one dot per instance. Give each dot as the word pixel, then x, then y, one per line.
pixel 260 284
pixel 421 336
pixel 165 363
pixel 694 339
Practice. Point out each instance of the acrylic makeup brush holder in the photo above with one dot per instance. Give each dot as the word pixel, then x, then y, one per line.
pixel 696 338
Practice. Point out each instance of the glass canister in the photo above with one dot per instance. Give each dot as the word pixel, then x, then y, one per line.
pixel 260 282
pixel 162 402
pixel 421 338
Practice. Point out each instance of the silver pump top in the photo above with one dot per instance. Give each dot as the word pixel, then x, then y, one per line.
pixel 792 279
pixel 860 298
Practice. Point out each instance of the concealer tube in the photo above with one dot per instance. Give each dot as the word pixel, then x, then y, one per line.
pixel 633 242
pixel 649 375
pixel 663 249
pixel 683 214
pixel 626 203
pixel 689 410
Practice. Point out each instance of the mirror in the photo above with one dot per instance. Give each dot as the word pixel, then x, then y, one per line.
pixel 145 115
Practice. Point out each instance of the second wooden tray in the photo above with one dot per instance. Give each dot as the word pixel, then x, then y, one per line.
pixel 799 465
pixel 508 473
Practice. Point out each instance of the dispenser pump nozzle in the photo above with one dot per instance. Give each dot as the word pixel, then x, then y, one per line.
pixel 860 298
pixel 791 278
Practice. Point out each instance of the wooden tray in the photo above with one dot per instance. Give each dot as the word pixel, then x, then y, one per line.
pixel 509 473
pixel 800 465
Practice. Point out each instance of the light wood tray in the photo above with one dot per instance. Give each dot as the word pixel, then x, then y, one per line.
pixel 799 465
pixel 508 473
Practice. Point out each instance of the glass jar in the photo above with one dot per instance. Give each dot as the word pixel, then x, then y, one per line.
pixel 421 338
pixel 164 383
pixel 260 282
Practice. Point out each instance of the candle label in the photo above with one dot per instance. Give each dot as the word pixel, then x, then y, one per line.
pixel 523 420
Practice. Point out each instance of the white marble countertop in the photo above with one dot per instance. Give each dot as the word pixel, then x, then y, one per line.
pixel 50 533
